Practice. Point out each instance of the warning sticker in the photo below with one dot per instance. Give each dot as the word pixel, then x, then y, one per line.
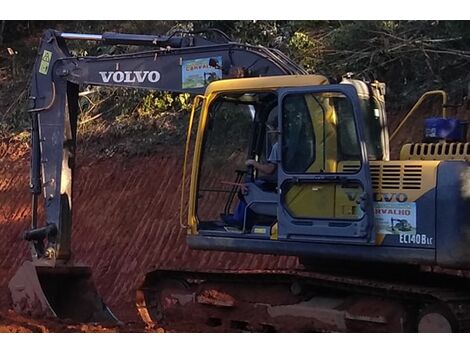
pixel 395 218
pixel 45 62
pixel 198 73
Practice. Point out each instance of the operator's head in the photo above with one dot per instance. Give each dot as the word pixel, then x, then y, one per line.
pixel 272 120
pixel 271 125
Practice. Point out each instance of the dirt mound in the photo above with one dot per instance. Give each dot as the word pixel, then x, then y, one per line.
pixel 126 223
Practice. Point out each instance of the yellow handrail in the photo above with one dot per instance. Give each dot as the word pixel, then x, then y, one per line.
pixel 418 103
pixel 186 150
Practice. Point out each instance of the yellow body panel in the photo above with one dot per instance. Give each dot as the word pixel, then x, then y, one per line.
pixel 411 177
pixel 406 178
pixel 347 203
pixel 435 151
pixel 324 200
pixel 328 165
pixel 310 200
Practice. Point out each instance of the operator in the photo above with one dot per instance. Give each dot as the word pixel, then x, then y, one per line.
pixel 270 167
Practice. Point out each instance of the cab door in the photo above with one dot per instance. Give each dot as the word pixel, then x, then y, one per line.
pixel 323 173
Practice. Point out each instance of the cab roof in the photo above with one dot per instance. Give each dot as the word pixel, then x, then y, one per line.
pixel 271 82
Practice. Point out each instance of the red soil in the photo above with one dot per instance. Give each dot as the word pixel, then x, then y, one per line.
pixel 126 223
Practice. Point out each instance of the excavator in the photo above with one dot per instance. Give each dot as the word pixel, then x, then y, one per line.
pixel 329 201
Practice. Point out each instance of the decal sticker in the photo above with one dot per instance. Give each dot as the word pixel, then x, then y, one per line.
pixel 199 73
pixel 396 222
pixel 395 218
pixel 45 62
pixel 259 230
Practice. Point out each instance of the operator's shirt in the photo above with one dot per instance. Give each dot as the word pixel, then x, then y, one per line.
pixel 274 155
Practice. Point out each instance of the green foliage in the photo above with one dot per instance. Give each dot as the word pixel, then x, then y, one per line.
pixel 410 56
pixel 227 132
pixel 305 51
pixel 156 102
pixel 267 33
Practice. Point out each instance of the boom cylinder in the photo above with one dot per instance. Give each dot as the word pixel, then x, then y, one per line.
pixel 81 36
pixel 110 38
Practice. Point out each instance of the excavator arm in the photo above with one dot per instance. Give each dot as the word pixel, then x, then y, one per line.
pixel 55 85
pixel 168 63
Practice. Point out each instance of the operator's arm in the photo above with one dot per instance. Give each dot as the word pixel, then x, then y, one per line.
pixel 268 168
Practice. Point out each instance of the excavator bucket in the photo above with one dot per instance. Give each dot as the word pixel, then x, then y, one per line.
pixel 64 292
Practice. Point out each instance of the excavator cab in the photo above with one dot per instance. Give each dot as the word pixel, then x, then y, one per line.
pixel 321 190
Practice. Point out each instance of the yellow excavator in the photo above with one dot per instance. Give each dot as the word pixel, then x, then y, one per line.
pixel 332 198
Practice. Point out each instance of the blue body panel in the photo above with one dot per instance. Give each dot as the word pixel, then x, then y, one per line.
pixel 453 215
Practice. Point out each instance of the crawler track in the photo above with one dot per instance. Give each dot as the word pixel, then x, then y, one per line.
pixel 295 301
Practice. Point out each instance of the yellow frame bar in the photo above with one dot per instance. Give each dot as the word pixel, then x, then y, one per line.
pixel 418 103
pixel 196 103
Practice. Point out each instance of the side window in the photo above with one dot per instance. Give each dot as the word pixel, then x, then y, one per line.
pixel 298 138
pixel 319 134
pixel 271 151
pixel 348 146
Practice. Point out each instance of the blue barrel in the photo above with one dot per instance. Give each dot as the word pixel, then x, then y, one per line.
pixel 444 129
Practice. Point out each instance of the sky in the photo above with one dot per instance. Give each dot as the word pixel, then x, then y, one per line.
pixel 234 10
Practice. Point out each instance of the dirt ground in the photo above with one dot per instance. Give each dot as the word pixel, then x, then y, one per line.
pixel 126 223
pixel 10 322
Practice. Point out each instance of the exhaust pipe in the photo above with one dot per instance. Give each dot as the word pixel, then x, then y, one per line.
pixel 65 292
